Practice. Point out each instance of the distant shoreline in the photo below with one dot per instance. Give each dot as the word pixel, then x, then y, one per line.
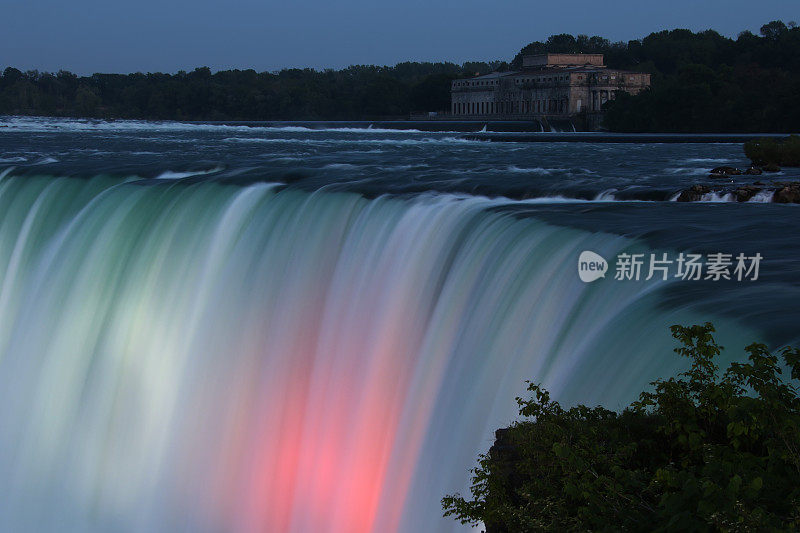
pixel 630 138
pixel 480 130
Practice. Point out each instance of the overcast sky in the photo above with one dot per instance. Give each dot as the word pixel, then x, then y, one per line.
pixel 87 36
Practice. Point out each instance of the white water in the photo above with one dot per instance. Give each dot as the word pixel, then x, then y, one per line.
pixel 50 124
pixel 204 357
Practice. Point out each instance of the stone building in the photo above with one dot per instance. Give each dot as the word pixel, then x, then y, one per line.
pixel 548 86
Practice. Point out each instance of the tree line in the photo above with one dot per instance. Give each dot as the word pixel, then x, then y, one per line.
pixel 704 82
pixel 353 93
pixel 701 81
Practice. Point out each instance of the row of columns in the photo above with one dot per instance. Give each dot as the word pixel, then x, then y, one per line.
pixel 552 106
pixel 599 98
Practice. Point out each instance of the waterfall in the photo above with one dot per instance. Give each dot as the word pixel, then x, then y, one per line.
pixel 205 356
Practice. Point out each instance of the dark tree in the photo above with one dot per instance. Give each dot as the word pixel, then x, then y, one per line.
pixel 695 453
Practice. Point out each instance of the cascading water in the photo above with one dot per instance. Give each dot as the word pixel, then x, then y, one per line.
pixel 212 357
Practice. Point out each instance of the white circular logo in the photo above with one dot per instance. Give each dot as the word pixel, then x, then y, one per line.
pixel 591 266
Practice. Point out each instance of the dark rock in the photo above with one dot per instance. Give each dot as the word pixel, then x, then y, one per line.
pixel 771 167
pixel 746 192
pixel 506 454
pixel 753 171
pixel 693 193
pixel 759 183
pixel 726 171
pixel 788 194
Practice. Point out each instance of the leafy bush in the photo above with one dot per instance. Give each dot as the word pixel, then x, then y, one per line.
pixel 784 152
pixel 697 453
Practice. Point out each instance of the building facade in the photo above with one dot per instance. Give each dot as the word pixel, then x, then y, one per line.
pixel 548 86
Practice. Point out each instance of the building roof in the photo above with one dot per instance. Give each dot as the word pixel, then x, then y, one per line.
pixel 561 70
pixel 561 60
pixel 492 75
pixel 585 69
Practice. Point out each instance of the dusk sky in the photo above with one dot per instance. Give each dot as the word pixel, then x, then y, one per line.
pixel 87 36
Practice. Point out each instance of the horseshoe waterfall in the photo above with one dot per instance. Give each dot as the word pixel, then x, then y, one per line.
pixel 208 356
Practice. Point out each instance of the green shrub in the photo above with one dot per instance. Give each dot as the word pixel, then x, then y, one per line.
pixel 697 453
pixel 771 152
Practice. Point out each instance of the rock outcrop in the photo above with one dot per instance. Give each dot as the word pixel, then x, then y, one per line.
pixel 789 193
pixel 746 192
pixel 726 171
pixel 693 193
pixel 782 192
